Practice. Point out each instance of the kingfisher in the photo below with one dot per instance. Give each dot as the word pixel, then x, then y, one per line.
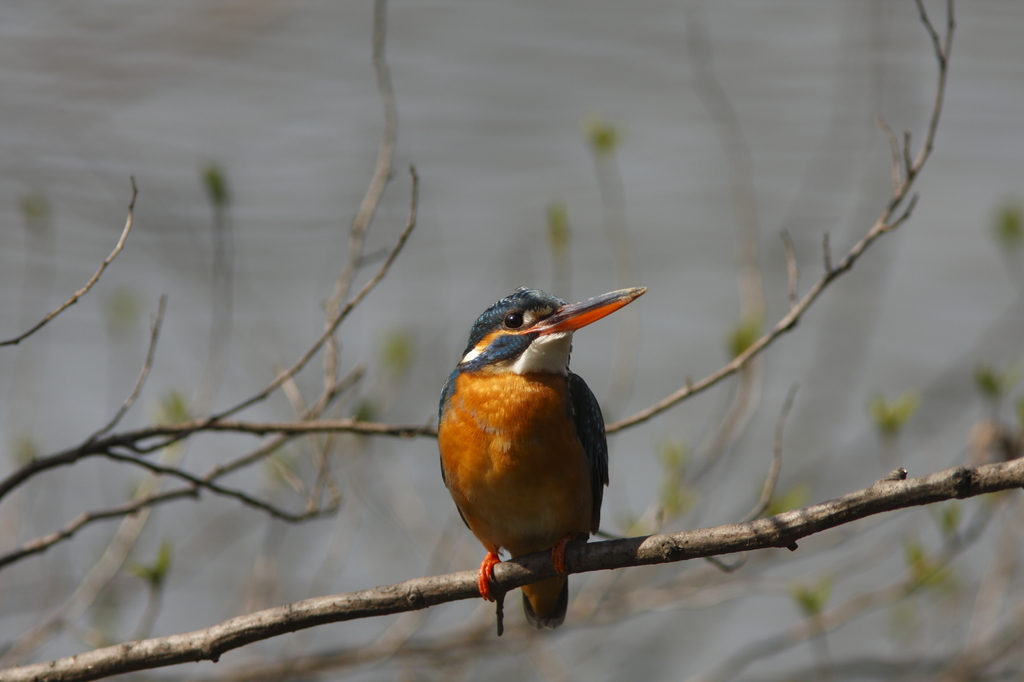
pixel 522 439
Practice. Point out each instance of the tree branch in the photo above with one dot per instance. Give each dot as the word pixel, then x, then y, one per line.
pixel 782 530
pixel 154 335
pixel 202 482
pixel 88 285
pixel 133 439
pixel 371 199
pixel 884 223
pixel 776 466
pixel 342 314
pixel 42 543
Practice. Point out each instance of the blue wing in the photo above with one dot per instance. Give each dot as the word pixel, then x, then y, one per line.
pixel 586 414
pixel 446 394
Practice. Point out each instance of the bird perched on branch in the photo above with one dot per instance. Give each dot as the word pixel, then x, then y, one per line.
pixel 523 449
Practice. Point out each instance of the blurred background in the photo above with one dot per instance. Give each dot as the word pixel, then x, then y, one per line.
pixel 569 146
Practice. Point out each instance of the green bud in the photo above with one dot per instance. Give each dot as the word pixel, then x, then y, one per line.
pixel 216 184
pixel 603 137
pixel 1009 226
pixel 558 227
pixel 891 417
pixel 812 600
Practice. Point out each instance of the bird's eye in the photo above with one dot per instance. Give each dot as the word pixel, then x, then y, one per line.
pixel 514 320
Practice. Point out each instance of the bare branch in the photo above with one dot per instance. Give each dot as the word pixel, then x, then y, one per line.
pixel 133 439
pixel 342 314
pixel 198 482
pixel 307 417
pixel 826 250
pixel 88 285
pixel 783 325
pixel 44 542
pixel 981 655
pixel 154 334
pixel 792 274
pixel 816 625
pixel 773 471
pixel 437 651
pixel 883 224
pixel 739 169
pixel 894 147
pixel 381 175
pixel 782 530
pixel 942 50
pixel 907 161
pixel 737 157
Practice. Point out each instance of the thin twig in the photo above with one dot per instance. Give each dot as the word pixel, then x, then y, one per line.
pixel 307 417
pixel 202 482
pixel 154 334
pixel 381 175
pixel 450 648
pixel 942 51
pixel 792 274
pixel 894 147
pixel 979 656
pixel 727 568
pixel 773 471
pixel 819 624
pixel 175 433
pixel 342 314
pixel 737 157
pixel 750 280
pixel 826 249
pixel 908 162
pixel 131 439
pixel 92 280
pixel 172 433
pixel 44 542
pixel 883 224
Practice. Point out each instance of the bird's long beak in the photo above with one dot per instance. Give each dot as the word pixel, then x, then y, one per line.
pixel 572 316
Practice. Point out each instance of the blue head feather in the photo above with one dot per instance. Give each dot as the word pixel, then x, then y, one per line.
pixel 523 299
pixel 505 346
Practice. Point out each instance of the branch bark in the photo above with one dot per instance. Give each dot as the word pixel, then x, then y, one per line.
pixel 782 530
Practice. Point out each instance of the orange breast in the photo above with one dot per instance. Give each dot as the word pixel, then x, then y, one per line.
pixel 513 462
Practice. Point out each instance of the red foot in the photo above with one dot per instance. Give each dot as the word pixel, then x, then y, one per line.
pixel 483 581
pixel 558 555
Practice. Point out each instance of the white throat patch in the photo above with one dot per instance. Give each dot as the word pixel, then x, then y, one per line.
pixel 473 354
pixel 548 353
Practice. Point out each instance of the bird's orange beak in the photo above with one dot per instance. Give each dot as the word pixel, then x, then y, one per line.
pixel 572 316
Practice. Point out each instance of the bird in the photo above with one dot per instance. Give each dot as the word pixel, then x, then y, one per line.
pixel 522 439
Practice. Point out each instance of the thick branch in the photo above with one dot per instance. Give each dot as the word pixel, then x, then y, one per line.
pixel 782 530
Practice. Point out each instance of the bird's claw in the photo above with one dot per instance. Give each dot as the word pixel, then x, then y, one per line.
pixel 486 574
pixel 558 555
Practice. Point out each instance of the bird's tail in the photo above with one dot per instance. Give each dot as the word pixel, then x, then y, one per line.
pixel 545 602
